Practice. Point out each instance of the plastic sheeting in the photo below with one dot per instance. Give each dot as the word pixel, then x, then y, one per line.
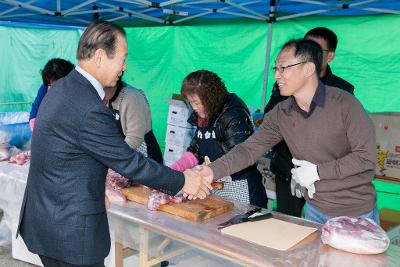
pixel 14 129
pixel 13 180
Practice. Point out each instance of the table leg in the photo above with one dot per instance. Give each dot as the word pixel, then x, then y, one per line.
pixel 119 257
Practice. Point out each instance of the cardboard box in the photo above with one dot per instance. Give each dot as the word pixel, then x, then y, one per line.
pixel 394 235
pixel 178 113
pixel 387 130
pixel 179 136
pixel 172 153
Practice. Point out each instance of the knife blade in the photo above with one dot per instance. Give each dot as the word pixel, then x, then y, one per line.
pixel 260 217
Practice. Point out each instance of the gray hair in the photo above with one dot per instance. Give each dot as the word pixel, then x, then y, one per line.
pixel 99 35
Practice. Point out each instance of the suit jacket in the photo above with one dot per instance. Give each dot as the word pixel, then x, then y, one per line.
pixel 76 139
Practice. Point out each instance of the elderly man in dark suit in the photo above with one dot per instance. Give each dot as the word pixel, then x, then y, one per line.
pixel 76 139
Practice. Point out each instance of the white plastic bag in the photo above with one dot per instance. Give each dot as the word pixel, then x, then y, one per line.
pixel 5 233
pixel 356 235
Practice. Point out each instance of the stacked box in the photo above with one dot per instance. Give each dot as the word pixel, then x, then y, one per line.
pixel 179 131
pixel 387 130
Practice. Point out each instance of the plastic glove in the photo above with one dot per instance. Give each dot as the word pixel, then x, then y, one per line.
pixel 311 191
pixel 296 189
pixel 306 173
pixel 187 161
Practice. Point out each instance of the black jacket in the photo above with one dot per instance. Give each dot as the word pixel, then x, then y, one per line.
pixel 232 123
pixel 281 162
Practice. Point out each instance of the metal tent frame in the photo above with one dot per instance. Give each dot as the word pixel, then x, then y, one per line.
pixel 172 12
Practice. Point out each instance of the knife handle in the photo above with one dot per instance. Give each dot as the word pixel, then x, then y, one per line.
pixel 217 185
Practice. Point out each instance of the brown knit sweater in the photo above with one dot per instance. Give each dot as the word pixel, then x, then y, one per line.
pixel 337 135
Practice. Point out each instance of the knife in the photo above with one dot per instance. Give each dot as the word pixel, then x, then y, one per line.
pixel 245 218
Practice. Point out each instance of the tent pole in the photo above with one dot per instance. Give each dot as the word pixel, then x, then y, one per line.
pixel 268 52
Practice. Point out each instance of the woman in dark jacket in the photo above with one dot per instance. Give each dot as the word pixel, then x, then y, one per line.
pixel 223 121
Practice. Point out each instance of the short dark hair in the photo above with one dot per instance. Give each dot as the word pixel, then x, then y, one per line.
pixel 326 34
pixel 208 86
pixel 306 50
pixel 99 35
pixel 55 69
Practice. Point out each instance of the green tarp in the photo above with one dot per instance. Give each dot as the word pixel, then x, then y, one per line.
pixel 160 57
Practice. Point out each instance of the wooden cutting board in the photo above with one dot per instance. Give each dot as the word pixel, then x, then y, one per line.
pixel 194 210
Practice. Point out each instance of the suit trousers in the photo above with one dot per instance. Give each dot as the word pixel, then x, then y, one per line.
pixel 49 262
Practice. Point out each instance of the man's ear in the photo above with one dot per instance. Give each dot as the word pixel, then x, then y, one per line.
pixel 331 56
pixel 309 69
pixel 98 56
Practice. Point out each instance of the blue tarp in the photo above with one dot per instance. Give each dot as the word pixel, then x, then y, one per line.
pixel 14 129
pixel 80 13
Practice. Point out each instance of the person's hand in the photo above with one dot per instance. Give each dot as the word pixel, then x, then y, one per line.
pixel 205 172
pixel 305 173
pixel 195 186
pixel 296 189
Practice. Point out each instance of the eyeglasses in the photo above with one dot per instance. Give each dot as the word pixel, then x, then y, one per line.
pixel 281 69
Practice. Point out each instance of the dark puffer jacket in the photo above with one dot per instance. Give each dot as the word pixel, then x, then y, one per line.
pixel 232 123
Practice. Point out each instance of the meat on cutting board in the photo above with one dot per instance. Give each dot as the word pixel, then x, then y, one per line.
pixel 156 199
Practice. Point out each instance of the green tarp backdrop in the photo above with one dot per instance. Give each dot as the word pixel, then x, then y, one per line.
pixel 160 57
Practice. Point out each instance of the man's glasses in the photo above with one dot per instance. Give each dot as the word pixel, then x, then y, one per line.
pixel 281 69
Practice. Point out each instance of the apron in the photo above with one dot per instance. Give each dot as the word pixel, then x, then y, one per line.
pixel 244 186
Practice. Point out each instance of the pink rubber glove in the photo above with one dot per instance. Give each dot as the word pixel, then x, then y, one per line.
pixel 32 123
pixel 187 161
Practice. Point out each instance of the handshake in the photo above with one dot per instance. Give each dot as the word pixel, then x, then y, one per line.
pixel 197 182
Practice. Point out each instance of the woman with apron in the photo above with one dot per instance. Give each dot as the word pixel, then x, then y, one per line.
pixel 223 121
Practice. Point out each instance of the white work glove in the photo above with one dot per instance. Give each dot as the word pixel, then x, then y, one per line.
pixel 311 191
pixel 296 189
pixel 305 173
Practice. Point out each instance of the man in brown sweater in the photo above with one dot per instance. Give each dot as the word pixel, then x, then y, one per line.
pixel 328 133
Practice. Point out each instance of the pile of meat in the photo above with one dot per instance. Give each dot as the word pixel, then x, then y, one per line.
pixel 357 235
pixel 115 182
pixel 14 155
pixel 20 158
pixel 156 199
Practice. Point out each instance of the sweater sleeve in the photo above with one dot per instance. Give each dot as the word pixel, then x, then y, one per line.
pixel 133 119
pixel 247 153
pixel 361 135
